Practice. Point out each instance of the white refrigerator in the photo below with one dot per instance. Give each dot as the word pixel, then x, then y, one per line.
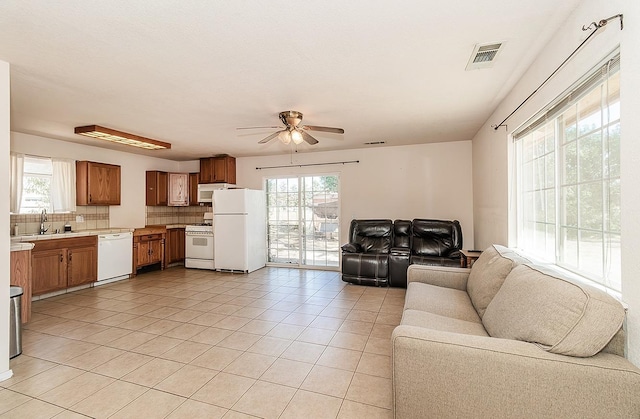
pixel 239 230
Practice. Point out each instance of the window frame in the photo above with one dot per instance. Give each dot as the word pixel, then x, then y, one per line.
pixel 551 117
pixel 26 174
pixel 302 232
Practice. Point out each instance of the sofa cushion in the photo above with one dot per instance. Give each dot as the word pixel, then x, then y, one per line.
pixel 537 305
pixel 443 301
pixel 442 323
pixel 488 273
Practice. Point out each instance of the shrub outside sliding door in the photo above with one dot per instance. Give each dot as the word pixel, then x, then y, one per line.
pixel 303 221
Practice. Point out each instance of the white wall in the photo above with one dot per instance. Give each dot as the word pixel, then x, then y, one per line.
pixel 491 169
pixel 131 212
pixel 4 221
pixel 630 165
pixel 419 181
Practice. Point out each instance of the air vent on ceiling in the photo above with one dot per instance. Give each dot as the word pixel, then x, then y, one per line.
pixel 484 55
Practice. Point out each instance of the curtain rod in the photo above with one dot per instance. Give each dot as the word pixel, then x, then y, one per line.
pixel 307 165
pixel 593 25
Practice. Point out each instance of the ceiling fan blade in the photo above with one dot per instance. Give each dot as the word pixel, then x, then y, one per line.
pixel 324 129
pixel 269 138
pixel 258 127
pixel 309 139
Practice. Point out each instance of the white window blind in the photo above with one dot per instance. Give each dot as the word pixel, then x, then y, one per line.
pixel 568 178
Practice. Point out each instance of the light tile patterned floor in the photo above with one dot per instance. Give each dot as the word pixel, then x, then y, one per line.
pixel 181 343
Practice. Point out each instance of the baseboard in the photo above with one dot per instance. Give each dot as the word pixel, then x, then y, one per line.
pixel 6 375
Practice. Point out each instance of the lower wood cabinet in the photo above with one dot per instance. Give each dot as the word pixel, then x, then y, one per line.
pixel 20 275
pixel 148 248
pixel 81 265
pixel 57 264
pixel 174 245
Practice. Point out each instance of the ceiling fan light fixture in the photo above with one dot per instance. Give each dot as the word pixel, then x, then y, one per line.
pixel 296 136
pixel 284 136
pixel 120 137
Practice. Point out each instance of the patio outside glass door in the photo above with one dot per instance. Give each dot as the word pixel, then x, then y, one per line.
pixel 302 220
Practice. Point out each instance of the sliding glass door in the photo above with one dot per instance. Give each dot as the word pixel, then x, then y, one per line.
pixel 303 220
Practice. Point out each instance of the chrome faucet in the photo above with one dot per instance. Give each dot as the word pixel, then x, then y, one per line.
pixel 43 219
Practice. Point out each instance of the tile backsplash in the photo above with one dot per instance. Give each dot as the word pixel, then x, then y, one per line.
pixel 93 217
pixel 175 215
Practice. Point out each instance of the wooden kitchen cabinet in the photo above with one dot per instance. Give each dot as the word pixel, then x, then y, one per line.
pixel 194 178
pixel 157 188
pixel 148 247
pixel 49 271
pixel 97 183
pixel 174 245
pixel 219 169
pixel 20 263
pixel 57 264
pixel 149 252
pixel 178 189
pixel 82 265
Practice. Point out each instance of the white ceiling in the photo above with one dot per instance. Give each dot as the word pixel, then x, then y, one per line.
pixel 191 72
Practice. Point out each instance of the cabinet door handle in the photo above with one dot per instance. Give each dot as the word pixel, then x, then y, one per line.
pixel 69 256
pixel 89 197
pixel 61 258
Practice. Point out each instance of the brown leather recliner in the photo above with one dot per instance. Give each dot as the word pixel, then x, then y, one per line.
pixel 380 251
pixel 436 242
pixel 365 259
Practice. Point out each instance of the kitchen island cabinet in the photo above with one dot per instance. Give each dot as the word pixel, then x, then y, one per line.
pixel 148 247
pixel 97 183
pixel 58 264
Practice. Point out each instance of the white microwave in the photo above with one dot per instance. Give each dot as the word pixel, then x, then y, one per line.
pixel 205 190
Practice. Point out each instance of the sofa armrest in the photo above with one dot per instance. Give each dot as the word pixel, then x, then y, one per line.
pixel 450 375
pixel 442 276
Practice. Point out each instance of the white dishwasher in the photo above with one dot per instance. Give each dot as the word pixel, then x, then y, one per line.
pixel 115 256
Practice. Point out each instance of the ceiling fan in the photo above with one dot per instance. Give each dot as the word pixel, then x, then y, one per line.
pixel 293 131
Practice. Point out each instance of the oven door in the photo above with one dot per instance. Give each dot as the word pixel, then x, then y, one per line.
pixel 199 246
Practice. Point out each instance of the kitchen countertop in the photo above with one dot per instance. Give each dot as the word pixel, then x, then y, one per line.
pixel 35 237
pixel 150 230
pixel 168 226
pixel 16 247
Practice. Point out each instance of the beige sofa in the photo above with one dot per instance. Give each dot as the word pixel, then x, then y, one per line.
pixel 508 339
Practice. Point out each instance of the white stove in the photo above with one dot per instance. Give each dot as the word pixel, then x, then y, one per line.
pixel 200 229
pixel 199 246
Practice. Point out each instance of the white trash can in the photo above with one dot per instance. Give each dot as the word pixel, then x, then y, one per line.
pixel 15 325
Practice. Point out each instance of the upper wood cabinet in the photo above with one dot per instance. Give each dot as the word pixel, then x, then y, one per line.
pixel 157 188
pixel 97 183
pixel 220 169
pixel 193 188
pixel 178 189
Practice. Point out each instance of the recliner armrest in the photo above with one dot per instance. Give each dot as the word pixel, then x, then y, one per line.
pixel 454 254
pixel 352 248
pixel 400 251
